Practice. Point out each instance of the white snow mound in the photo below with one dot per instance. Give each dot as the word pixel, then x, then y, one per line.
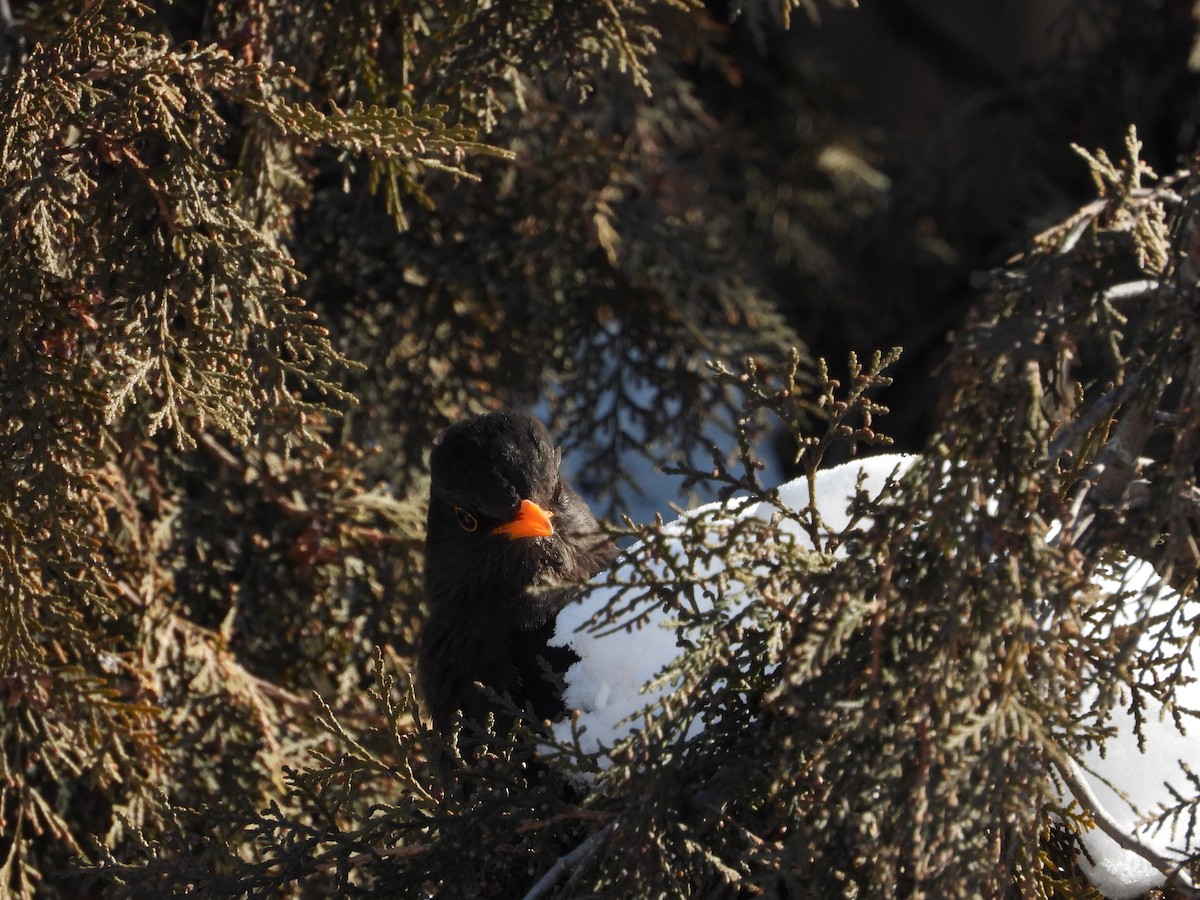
pixel 606 685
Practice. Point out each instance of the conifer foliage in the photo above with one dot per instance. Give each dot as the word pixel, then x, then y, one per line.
pixel 256 255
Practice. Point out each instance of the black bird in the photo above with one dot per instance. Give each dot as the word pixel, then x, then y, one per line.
pixel 504 532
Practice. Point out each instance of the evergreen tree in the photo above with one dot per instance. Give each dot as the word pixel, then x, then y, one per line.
pixel 258 254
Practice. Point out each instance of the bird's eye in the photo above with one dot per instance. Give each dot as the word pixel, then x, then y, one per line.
pixel 465 520
pixel 557 493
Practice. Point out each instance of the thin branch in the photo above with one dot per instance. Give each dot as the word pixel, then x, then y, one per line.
pixel 1130 289
pixel 1077 783
pixel 1107 482
pixel 1100 409
pixel 577 856
pixel 573 815
pixel 404 852
pixel 12 40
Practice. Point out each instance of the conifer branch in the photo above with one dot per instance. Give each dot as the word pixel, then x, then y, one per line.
pixel 1078 784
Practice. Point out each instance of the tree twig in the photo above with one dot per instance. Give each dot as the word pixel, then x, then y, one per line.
pixel 1100 408
pixel 564 863
pixel 367 856
pixel 12 41
pixel 1077 783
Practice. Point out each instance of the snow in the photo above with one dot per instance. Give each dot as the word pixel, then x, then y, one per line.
pixel 1141 776
pixel 606 685
pixel 611 684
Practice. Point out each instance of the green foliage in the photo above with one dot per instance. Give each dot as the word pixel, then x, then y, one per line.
pixel 186 553
pixel 151 318
pixel 617 251
pixel 257 255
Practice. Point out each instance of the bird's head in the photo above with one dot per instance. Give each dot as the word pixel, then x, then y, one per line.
pixel 500 517
pixel 505 539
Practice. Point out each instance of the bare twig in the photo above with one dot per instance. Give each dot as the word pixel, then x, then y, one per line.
pixel 404 852
pixel 574 815
pixel 1121 456
pixel 1131 289
pixel 1107 483
pixel 1100 409
pixel 1077 783
pixel 12 40
pixel 564 863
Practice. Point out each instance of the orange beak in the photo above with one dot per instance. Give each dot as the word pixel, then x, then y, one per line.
pixel 531 521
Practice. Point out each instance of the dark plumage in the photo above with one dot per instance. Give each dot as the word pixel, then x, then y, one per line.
pixel 503 530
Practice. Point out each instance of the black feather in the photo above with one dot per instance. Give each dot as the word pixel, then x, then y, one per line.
pixel 493 599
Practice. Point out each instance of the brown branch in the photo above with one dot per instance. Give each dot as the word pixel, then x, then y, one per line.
pixel 574 815
pixel 405 851
pixel 1108 482
pixel 1100 409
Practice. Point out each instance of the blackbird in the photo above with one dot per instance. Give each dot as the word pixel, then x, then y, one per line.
pixel 505 538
